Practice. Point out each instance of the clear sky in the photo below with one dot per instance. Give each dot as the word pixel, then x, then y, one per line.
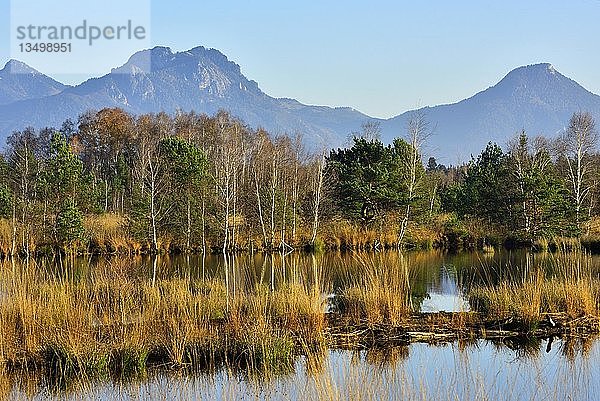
pixel 380 57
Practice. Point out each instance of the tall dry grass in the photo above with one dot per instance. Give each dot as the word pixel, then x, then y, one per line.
pixel 114 323
pixel 107 233
pixel 380 294
pixel 569 285
pixel 6 235
pixel 110 319
pixel 347 236
pixel 22 243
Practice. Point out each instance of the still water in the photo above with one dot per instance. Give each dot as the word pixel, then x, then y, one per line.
pixel 557 369
pixel 437 279
pixel 476 371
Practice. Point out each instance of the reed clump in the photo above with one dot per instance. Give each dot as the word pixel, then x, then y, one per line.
pixel 509 300
pixel 111 323
pixel 6 237
pixel 107 233
pixel 343 235
pixel 379 294
pixel 16 239
pixel 569 286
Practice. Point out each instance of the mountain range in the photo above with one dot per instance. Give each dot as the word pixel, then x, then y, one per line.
pixel 536 98
pixel 18 81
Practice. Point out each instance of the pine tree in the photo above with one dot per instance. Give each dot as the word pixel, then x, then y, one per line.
pixel 69 224
pixel 64 182
pixel 186 167
pixel 369 178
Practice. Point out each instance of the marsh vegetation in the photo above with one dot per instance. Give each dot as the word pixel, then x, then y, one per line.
pixel 73 325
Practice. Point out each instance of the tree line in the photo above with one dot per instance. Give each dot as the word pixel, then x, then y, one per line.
pixel 535 187
pixel 187 182
pixel 192 182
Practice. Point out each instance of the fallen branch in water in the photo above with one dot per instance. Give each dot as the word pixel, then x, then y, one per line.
pixel 443 327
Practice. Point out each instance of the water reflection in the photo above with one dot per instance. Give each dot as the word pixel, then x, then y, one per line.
pixel 445 294
pixel 437 280
pixel 551 368
pixel 466 371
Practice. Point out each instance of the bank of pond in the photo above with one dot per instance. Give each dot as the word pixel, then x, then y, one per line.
pixel 71 321
pixel 110 235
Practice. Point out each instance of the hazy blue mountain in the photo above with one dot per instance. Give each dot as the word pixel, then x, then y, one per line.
pixel 18 81
pixel 200 79
pixel 536 98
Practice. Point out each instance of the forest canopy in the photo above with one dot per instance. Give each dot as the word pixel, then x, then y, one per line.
pixel 114 182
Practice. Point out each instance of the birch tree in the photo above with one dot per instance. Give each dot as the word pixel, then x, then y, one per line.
pixel 577 146
pixel 317 190
pixel 23 172
pixel 417 133
pixel 227 152
pixel 536 193
pixel 151 193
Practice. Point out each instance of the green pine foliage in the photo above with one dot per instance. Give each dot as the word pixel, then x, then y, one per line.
pixel 368 179
pixel 69 225
pixel 186 168
pixel 193 182
pixel 519 192
pixel 6 201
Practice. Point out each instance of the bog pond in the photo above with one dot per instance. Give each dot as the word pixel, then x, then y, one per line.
pixel 553 368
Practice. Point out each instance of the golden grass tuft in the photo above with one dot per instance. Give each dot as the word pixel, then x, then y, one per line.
pixel 341 234
pixel 6 233
pixel 570 287
pixel 107 233
pixel 380 294
pixel 113 322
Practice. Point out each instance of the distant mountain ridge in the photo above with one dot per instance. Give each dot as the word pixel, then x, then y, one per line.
pixel 200 79
pixel 536 98
pixel 18 82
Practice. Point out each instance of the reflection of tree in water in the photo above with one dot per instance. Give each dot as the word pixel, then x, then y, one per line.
pixel 449 280
pixel 336 268
pixel 516 266
pixel 464 344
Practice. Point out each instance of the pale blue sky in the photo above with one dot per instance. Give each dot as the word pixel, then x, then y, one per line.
pixel 380 57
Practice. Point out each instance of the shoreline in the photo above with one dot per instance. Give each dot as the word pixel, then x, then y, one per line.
pixel 444 327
